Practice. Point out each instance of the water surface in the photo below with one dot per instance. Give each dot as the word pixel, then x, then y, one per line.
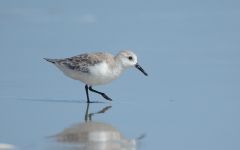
pixel 190 100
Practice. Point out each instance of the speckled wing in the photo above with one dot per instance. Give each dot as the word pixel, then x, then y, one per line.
pixel 80 62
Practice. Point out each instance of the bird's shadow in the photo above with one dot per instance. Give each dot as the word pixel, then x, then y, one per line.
pixel 94 135
pixel 49 100
pixel 88 116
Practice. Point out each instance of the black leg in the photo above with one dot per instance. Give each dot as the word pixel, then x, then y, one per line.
pixel 103 94
pixel 86 88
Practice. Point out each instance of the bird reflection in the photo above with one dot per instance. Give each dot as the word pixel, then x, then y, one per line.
pixel 92 135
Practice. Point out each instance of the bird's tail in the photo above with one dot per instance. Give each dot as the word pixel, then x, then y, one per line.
pixel 51 60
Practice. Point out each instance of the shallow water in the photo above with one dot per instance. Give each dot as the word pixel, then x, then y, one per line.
pixel 51 124
pixel 190 100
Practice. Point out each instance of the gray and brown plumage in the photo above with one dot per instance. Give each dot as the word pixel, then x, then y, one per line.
pixel 96 68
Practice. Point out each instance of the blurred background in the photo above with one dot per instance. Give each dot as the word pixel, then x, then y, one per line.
pixel 190 49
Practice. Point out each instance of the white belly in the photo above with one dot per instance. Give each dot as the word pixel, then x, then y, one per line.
pixel 97 75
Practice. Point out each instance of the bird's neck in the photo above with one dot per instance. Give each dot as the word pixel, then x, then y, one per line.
pixel 118 68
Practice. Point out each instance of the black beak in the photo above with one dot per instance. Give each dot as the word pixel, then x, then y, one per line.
pixel 141 69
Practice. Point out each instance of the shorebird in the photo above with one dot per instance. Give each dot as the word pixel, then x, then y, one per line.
pixel 97 68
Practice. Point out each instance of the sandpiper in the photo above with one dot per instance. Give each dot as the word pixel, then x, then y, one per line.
pixel 97 68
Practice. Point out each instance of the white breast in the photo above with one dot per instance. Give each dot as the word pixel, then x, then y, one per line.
pixel 101 74
pixel 98 74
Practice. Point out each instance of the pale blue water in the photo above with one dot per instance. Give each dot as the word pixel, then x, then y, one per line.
pixel 190 100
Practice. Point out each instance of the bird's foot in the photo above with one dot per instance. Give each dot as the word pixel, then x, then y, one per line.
pixel 106 97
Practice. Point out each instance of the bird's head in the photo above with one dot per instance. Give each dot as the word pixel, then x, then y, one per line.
pixel 129 59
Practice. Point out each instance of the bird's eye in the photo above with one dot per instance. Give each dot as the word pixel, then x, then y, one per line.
pixel 130 58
